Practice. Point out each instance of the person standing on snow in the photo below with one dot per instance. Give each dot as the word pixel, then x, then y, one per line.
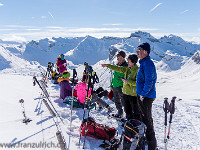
pixel 61 64
pixel 88 69
pixel 65 87
pixel 117 84
pixel 129 85
pixel 146 91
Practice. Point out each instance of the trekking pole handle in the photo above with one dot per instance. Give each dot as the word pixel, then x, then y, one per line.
pixel 166 109
pixel 166 105
pixel 172 105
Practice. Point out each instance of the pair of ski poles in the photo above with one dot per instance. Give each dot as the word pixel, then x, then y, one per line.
pixel 72 103
pixel 168 108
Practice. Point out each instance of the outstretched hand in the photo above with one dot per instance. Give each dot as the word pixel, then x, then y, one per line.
pixel 104 65
pixel 125 80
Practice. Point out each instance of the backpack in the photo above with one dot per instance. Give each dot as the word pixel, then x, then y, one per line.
pixel 96 130
pixel 134 137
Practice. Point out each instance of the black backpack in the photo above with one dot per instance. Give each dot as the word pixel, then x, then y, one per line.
pixel 134 137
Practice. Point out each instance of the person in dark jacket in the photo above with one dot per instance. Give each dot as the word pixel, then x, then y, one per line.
pixel 117 84
pixel 146 91
pixel 61 64
pixel 65 87
pixel 88 69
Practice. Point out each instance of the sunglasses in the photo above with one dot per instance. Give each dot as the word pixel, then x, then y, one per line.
pixel 139 49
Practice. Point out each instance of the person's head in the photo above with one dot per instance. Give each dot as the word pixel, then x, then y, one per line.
pixel 85 64
pixel 66 74
pixel 62 56
pixel 132 60
pixel 121 56
pixel 143 50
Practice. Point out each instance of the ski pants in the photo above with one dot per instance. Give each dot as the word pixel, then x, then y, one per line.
pixel 118 99
pixel 146 110
pixel 98 100
pixel 130 107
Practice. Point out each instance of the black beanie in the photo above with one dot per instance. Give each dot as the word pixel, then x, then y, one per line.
pixel 133 58
pixel 122 53
pixel 146 47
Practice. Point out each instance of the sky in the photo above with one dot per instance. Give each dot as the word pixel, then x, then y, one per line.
pixel 26 20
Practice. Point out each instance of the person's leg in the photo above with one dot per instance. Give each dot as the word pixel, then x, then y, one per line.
pixel 148 120
pixel 127 107
pixel 134 107
pixel 98 100
pixel 117 100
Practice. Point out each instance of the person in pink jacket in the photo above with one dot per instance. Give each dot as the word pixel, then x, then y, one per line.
pixel 61 64
pixel 82 87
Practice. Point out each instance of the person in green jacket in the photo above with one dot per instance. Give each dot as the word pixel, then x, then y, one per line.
pixel 129 85
pixel 117 84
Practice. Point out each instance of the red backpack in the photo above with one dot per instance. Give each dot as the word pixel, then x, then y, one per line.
pixel 96 130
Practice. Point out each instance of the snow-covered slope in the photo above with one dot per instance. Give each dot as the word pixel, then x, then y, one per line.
pixel 11 63
pixel 183 83
pixel 178 75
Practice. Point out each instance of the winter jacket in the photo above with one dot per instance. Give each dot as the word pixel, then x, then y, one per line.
pixel 116 82
pixel 129 88
pixel 65 88
pixel 146 78
pixel 81 91
pixel 60 65
pixel 88 69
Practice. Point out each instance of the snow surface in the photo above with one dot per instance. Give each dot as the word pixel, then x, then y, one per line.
pixel 183 83
pixel 178 75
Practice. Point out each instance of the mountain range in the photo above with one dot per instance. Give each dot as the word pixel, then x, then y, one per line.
pixel 172 50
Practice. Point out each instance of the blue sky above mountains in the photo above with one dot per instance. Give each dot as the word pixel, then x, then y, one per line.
pixel 24 20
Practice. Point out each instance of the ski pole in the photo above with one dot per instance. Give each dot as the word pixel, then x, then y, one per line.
pixel 74 76
pixel 87 106
pixel 25 120
pixel 166 110
pixel 171 110
pixel 86 97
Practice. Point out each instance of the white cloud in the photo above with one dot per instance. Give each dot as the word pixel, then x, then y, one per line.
pixel 13 38
pixel 155 7
pixel 43 17
pixel 108 29
pixel 7 29
pixel 37 33
pixel 1 4
pixel 53 27
pixel 184 11
pixel 33 29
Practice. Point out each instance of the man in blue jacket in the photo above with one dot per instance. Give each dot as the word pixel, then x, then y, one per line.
pixel 146 91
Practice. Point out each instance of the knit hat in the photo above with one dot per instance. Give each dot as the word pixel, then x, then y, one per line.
pixel 122 53
pixel 66 74
pixel 146 47
pixel 62 57
pixel 133 58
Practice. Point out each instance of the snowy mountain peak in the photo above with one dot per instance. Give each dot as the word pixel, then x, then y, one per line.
pixel 144 36
pixel 141 34
pixel 196 57
pixel 172 39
